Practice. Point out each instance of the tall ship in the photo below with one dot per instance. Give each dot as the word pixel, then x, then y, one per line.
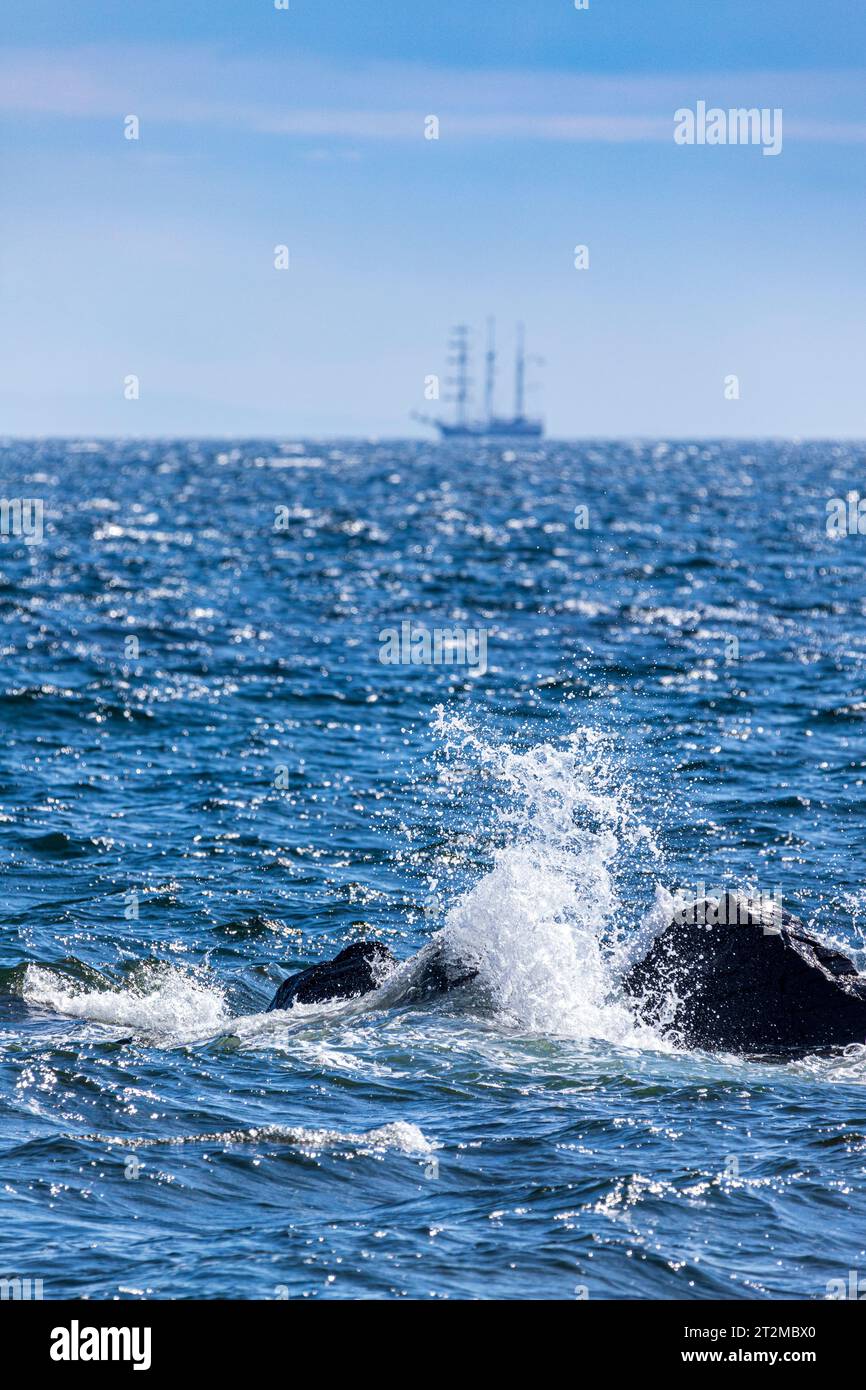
pixel 491 426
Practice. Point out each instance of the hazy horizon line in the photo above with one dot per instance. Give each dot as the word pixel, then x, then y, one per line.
pixel 97 438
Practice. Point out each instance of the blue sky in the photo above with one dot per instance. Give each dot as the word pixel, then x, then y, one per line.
pixel 261 127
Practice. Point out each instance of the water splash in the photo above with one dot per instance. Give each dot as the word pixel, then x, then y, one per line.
pixel 549 926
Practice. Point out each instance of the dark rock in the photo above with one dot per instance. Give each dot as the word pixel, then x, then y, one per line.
pixel 739 976
pixel 365 966
pixel 357 970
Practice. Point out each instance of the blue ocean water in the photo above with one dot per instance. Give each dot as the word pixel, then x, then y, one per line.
pixel 209 778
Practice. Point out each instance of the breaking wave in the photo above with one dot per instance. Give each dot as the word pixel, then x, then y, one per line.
pixel 161 1001
pixel 398 1137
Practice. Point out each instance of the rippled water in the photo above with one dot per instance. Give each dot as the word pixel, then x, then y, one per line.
pixel 672 695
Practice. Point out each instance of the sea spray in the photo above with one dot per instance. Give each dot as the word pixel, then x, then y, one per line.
pixel 547 927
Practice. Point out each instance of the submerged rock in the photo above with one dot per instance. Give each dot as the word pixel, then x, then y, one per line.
pixel 742 977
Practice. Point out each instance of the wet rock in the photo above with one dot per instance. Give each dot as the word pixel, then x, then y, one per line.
pixel 357 970
pixel 738 975
pixel 365 966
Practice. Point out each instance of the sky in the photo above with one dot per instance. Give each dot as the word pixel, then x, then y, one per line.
pixel 305 127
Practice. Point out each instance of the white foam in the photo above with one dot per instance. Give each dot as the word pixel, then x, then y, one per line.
pixel 400 1136
pixel 164 1002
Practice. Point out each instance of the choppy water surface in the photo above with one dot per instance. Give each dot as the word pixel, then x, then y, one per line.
pixel 673 695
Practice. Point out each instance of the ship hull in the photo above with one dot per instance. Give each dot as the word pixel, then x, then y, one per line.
pixel 495 429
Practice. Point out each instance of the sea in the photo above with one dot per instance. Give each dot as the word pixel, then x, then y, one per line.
pixel 261 699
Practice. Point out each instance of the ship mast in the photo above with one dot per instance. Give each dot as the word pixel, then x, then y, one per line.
pixel 519 375
pixel 490 361
pixel 458 357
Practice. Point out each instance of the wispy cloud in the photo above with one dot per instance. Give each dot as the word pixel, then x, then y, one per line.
pixel 300 96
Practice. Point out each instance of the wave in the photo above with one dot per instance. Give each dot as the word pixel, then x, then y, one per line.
pixel 58 844
pixel 397 1137
pixel 163 1002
